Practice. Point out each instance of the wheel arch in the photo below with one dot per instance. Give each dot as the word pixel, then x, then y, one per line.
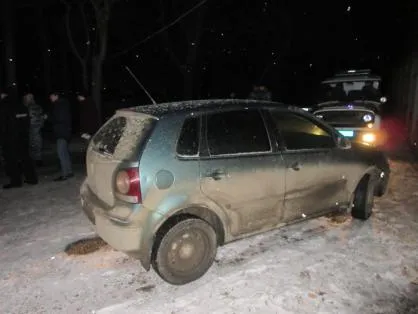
pixel 192 211
pixel 370 172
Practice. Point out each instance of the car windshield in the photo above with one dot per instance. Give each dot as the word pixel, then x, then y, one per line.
pixel 350 90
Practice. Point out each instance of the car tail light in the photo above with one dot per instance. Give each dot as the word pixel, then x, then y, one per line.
pixel 369 138
pixel 128 187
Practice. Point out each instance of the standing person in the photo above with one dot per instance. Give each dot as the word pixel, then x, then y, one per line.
pixel 61 121
pixel 260 93
pixel 89 117
pixel 15 123
pixel 265 93
pixel 36 123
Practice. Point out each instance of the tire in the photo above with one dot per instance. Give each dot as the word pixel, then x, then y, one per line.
pixel 364 199
pixel 193 238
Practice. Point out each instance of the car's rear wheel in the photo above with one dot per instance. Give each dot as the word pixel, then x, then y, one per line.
pixel 185 252
pixel 363 201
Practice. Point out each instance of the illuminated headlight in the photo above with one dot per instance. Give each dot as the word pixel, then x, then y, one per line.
pixel 382 175
pixel 383 99
pixel 368 138
pixel 306 109
pixel 319 116
pixel 367 118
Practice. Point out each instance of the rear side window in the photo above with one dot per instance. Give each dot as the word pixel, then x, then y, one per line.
pixel 301 133
pixel 237 132
pixel 109 136
pixel 122 137
pixel 188 142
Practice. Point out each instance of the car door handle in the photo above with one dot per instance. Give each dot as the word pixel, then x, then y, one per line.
pixel 295 166
pixel 216 175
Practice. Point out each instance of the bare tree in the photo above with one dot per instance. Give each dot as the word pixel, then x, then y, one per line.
pixel 82 57
pixel 93 49
pixel 7 8
pixel 186 63
pixel 102 10
pixel 44 46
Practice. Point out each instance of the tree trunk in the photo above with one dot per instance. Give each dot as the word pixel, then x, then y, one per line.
pixel 97 84
pixel 85 76
pixel 64 62
pixel 188 85
pixel 192 52
pixel 8 18
pixel 44 46
pixel 82 59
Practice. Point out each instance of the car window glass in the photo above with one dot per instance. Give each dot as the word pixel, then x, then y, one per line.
pixel 108 137
pixel 237 132
pixel 188 142
pixel 301 133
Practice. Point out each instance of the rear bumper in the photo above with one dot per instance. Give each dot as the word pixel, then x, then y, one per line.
pixel 126 235
pixel 371 137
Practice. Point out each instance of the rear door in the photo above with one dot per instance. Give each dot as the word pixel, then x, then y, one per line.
pixel 240 171
pixel 116 143
pixel 315 179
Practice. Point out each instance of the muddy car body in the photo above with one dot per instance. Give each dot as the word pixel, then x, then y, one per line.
pixel 170 183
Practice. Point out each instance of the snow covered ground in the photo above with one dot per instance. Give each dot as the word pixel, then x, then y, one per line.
pixel 319 266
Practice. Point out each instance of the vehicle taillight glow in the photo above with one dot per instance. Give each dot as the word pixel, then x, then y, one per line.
pixel 369 138
pixel 128 185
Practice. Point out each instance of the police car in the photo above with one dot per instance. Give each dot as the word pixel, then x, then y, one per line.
pixel 351 103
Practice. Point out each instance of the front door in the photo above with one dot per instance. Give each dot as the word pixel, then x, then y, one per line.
pixel 241 173
pixel 315 183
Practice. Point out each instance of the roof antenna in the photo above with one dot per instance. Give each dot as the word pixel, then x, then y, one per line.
pixel 139 83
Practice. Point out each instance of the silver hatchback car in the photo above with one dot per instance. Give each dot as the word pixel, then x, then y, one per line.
pixel 170 183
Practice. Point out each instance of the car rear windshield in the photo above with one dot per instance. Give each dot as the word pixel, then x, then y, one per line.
pixel 122 136
pixel 346 118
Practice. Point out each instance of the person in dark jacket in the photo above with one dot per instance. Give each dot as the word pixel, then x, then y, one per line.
pixel 37 119
pixel 15 121
pixel 61 121
pixel 89 117
pixel 260 93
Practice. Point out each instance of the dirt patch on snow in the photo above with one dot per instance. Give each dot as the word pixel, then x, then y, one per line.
pixel 338 218
pixel 85 246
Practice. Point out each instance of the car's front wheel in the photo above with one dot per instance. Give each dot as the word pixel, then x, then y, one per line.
pixel 363 201
pixel 186 251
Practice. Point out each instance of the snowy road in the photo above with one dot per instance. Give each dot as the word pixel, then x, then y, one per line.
pixel 319 266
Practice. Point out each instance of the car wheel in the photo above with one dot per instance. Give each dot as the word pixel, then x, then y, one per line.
pixel 364 199
pixel 186 252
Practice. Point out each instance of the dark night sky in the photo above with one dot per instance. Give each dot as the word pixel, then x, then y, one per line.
pixel 294 43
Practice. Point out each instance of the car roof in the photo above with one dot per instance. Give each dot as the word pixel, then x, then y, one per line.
pixel 192 106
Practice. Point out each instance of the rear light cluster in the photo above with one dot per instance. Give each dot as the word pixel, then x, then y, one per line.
pixel 128 186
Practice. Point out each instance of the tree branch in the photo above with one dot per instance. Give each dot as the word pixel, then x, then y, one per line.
pixel 69 34
pixel 86 30
pixel 164 28
pixel 168 47
pixel 102 15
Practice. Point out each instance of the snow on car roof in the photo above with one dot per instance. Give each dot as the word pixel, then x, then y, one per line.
pixel 198 105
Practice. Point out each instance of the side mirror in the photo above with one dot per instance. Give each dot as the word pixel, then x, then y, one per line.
pixel 343 142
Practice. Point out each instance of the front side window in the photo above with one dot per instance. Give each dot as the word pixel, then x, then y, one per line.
pixel 301 133
pixel 188 142
pixel 237 132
